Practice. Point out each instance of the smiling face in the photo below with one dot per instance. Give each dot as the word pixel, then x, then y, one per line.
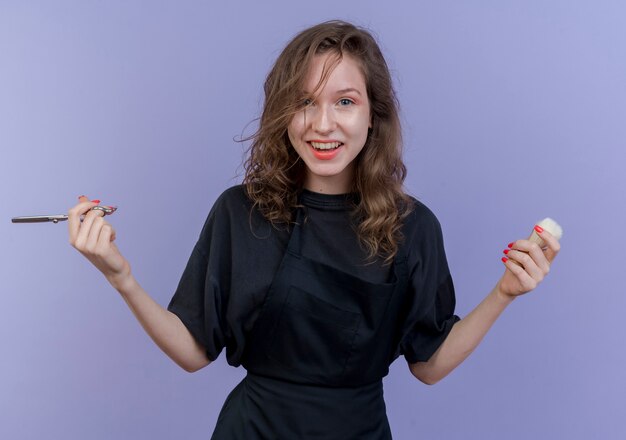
pixel 331 130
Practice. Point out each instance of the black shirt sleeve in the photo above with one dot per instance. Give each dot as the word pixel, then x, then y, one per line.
pixel 431 298
pixel 201 293
pixel 228 274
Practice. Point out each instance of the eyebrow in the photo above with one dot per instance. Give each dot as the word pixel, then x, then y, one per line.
pixel 342 91
pixel 350 89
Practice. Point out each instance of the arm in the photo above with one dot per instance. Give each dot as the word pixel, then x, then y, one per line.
pixel 462 339
pixel 94 238
pixel 163 326
pixel 526 266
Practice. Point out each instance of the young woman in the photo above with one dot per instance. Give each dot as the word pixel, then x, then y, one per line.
pixel 319 271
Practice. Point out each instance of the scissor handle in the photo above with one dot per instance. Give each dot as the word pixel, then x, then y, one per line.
pixel 107 210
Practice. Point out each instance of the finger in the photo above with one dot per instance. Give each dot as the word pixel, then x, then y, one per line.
pixel 94 233
pixel 536 270
pixel 535 251
pixel 526 282
pixel 74 218
pixel 552 245
pixel 107 235
pixel 541 256
pixel 85 228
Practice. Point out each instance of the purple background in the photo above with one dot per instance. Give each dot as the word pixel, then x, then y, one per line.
pixel 512 111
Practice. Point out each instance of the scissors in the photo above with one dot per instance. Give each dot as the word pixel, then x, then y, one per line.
pixel 107 210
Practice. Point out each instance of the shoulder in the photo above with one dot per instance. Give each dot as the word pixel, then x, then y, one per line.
pixel 423 242
pixel 232 204
pixel 420 218
pixel 229 209
pixel 234 214
pixel 233 197
pixel 421 229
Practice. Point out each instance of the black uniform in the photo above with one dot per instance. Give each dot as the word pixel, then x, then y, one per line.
pixel 313 322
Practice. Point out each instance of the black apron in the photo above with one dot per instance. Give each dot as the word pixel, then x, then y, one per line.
pixel 317 354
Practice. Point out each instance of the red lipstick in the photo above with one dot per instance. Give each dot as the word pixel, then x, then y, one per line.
pixel 325 154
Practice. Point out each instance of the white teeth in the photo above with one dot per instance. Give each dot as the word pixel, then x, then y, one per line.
pixel 325 145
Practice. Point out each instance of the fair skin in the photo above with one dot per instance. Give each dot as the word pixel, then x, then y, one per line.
pixel 330 132
pixel 338 116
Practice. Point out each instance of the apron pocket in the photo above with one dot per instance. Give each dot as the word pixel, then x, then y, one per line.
pixel 313 337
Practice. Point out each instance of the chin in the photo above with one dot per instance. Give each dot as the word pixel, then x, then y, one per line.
pixel 327 171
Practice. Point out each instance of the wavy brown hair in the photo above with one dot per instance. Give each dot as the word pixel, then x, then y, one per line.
pixel 274 173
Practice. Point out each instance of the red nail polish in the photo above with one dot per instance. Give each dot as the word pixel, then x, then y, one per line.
pixel 95 201
pixel 506 251
pixel 505 259
pixel 538 229
pixel 510 245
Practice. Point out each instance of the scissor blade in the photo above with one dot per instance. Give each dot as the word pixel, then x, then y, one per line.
pixel 39 218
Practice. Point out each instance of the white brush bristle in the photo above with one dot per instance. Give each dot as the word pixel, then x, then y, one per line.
pixel 552 227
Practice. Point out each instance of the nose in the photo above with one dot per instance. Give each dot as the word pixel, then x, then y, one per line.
pixel 323 120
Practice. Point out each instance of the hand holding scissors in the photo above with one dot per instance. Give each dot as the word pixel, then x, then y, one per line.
pixel 91 235
pixel 94 237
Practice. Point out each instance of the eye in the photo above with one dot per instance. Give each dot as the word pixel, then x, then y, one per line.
pixel 345 102
pixel 307 102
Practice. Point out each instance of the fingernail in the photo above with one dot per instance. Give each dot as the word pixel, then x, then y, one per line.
pixel 80 197
pixel 510 245
pixel 538 229
pixel 505 259
pixel 506 251
pixel 95 201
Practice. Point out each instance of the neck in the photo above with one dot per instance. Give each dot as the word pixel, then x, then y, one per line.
pixel 338 184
